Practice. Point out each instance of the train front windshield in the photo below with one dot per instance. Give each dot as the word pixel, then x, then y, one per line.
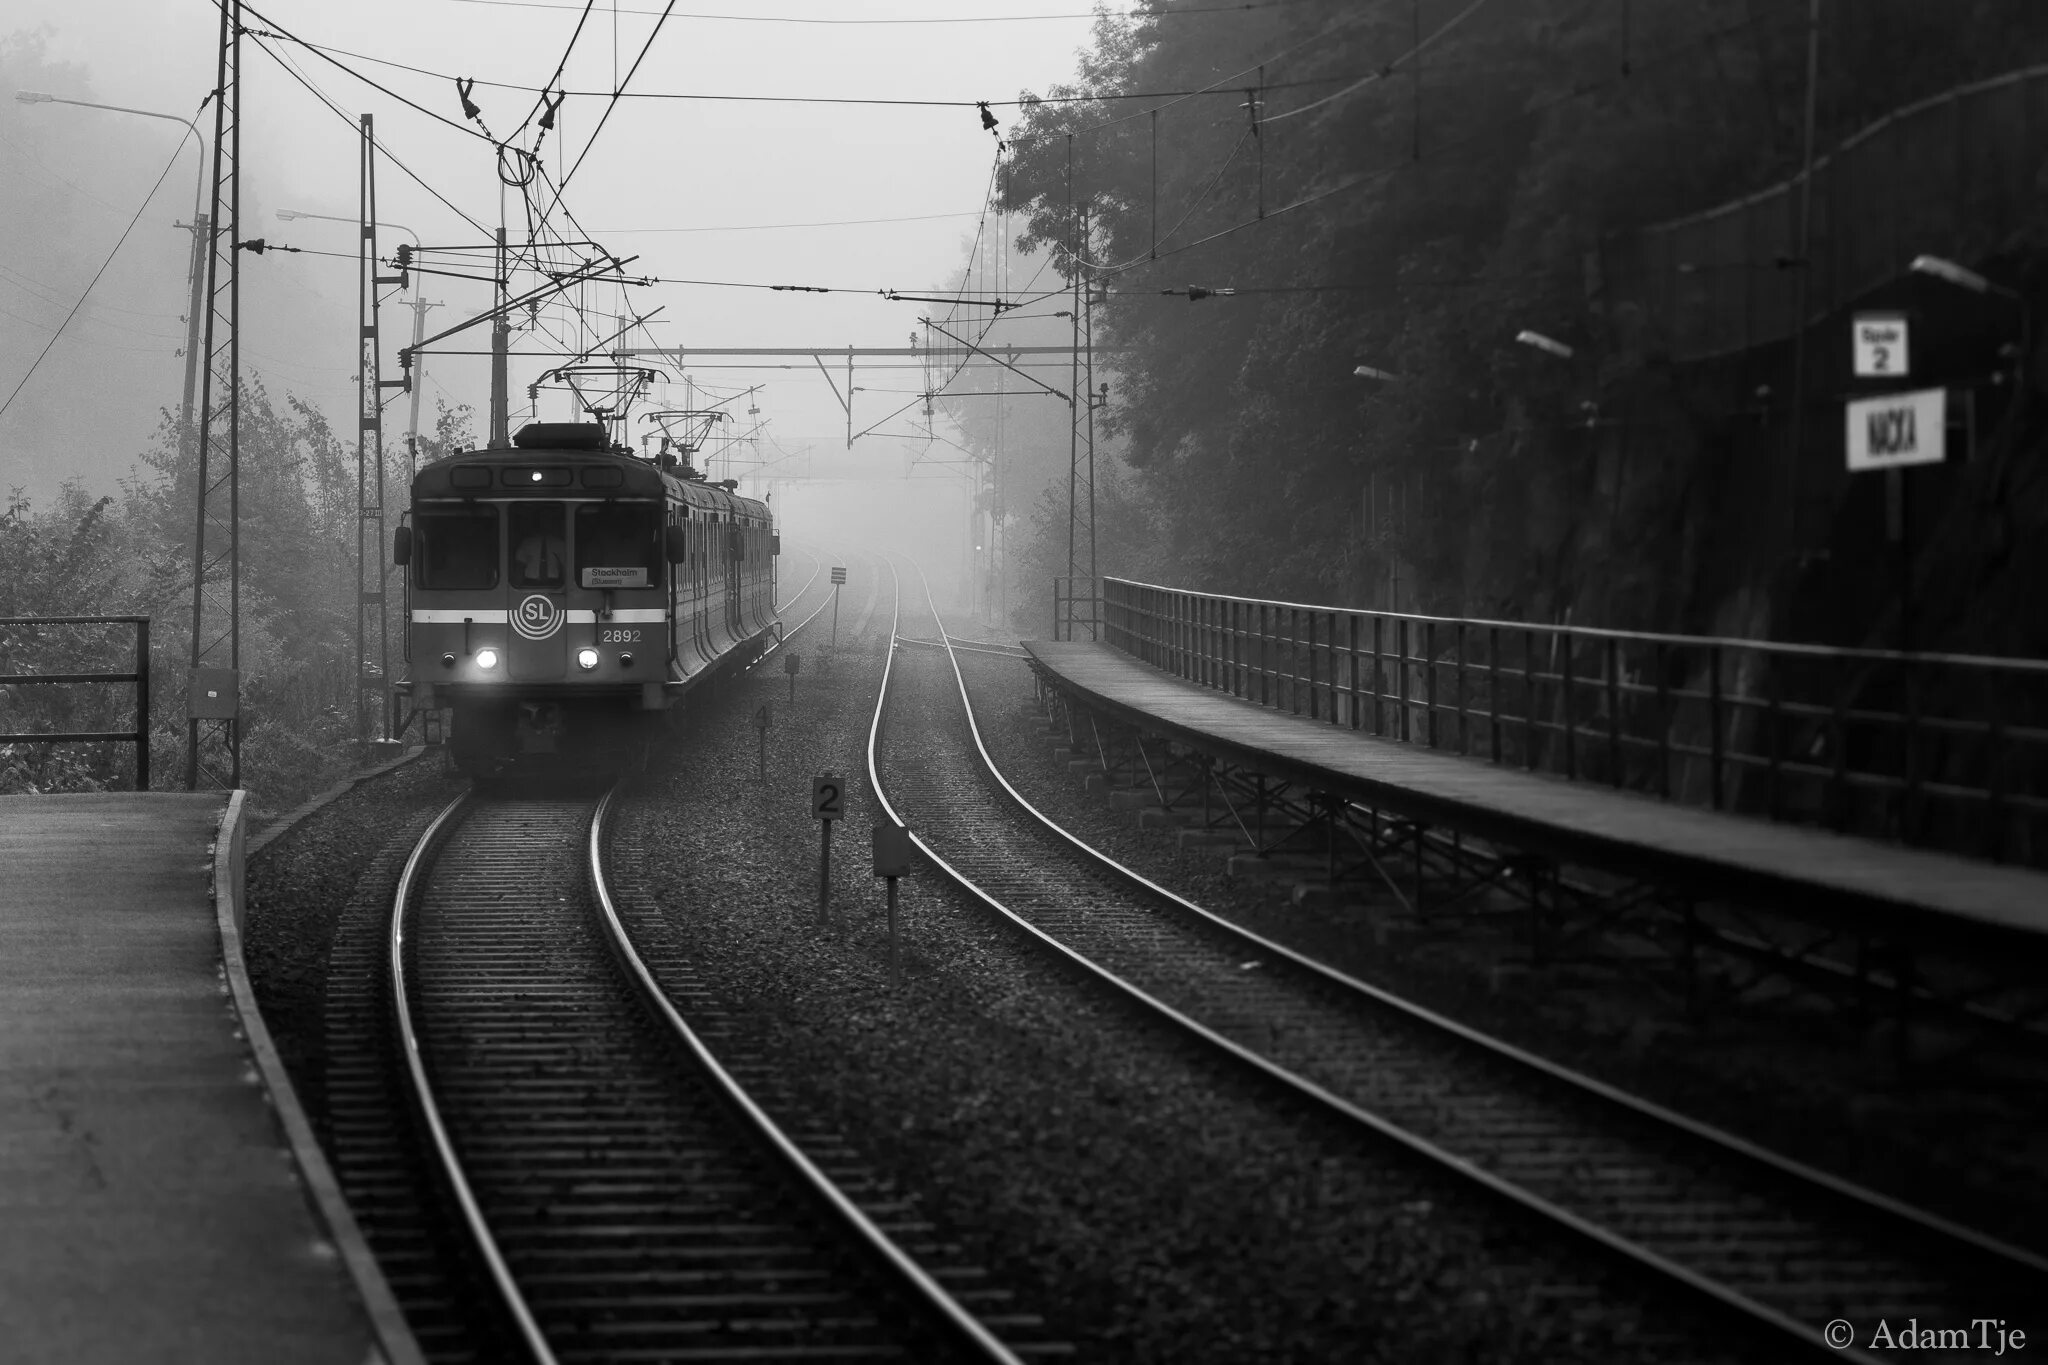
pixel 465 548
pixel 618 545
pixel 458 548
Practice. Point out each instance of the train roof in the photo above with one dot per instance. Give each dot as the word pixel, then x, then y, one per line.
pixel 559 459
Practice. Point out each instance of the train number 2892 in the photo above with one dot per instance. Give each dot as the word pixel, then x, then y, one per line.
pixel 618 636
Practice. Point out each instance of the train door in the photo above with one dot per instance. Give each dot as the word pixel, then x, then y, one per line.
pixel 536 591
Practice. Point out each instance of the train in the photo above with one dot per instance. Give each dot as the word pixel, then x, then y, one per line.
pixel 563 595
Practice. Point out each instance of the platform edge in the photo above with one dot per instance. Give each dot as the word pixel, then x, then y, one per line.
pixel 386 1320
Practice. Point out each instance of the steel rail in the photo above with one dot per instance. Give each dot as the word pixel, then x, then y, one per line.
pixel 1720 1137
pixel 423 1095
pixel 1726 1296
pixel 964 1325
pixel 791 633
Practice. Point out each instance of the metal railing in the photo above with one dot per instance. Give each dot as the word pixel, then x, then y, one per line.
pixel 139 736
pixel 1076 609
pixel 1942 750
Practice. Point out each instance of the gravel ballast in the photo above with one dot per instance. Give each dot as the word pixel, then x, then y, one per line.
pixel 298 885
pixel 1968 1144
pixel 1149 1202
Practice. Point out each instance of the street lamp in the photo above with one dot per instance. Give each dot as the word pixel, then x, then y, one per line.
pixel 293 215
pixel 419 321
pixel 1548 345
pixel 1962 277
pixel 198 226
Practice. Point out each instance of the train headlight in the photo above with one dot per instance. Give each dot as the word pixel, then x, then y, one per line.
pixel 586 658
pixel 447 661
pixel 625 661
pixel 487 658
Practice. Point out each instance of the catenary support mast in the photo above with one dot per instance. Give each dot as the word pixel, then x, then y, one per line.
pixel 213 736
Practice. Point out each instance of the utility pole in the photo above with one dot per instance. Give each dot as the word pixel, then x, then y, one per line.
pixel 371 682
pixel 501 357
pixel 193 323
pixel 213 735
pixel 419 381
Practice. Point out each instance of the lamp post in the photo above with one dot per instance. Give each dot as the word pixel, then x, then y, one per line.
pixel 198 226
pixel 1548 345
pixel 1962 277
pixel 419 326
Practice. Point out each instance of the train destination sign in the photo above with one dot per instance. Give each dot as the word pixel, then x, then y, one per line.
pixel 1897 429
pixel 1880 345
pixel 635 577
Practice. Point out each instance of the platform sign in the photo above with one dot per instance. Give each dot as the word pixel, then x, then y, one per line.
pixel 1880 345
pixel 838 574
pixel 1897 429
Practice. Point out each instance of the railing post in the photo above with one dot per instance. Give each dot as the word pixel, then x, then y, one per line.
pixel 1311 664
pixel 1529 699
pixel 1994 772
pixel 1493 688
pixel 1714 723
pixel 142 705
pixel 1333 678
pixel 1352 617
pixel 1614 757
pixel 1665 721
pixel 1264 676
pixel 1401 647
pixel 1838 741
pixel 1464 721
pixel 1774 746
pixel 1909 817
pixel 1293 661
pixel 1379 678
pixel 1429 679
pixel 1571 725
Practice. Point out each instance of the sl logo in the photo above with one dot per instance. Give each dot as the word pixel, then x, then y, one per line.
pixel 537 618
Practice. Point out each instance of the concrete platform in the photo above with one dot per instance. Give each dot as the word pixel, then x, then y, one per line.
pixel 1810 872
pixel 153 1205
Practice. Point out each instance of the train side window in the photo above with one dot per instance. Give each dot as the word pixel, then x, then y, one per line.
pixel 539 544
pixel 456 549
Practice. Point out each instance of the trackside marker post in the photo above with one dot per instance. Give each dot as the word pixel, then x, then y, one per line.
pixel 892 860
pixel 838 577
pixel 828 803
pixel 791 663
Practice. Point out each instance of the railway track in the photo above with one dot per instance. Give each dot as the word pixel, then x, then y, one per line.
pixel 619 1194
pixel 1789 1249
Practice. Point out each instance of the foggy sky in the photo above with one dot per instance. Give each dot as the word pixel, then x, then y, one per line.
pixel 659 165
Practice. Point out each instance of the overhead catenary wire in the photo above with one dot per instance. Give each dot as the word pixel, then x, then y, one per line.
pixel 560 67
pixel 570 174
pixel 1022 101
pixel 382 148
pixel 1174 13
pixel 85 293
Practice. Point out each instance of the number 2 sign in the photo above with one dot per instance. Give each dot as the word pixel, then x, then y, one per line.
pixel 1881 346
pixel 828 797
